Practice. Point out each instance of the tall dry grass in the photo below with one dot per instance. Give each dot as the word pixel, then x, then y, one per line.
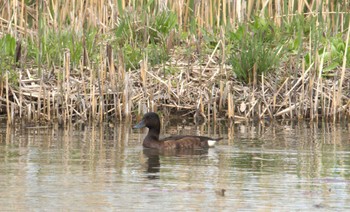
pixel 20 18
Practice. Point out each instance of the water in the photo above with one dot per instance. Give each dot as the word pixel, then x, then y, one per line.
pixel 277 167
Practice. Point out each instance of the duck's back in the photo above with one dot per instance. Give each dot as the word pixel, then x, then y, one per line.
pixel 187 142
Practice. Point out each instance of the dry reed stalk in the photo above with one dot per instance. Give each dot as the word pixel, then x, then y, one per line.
pixel 323 101
pixel 66 76
pixel 211 59
pixel 143 72
pixel 221 95
pixel 93 103
pixel 101 83
pixel 302 96
pixel 154 106
pixel 186 16
pixel 12 113
pixel 29 112
pixel 8 133
pixel 85 96
pixel 199 116
pixel 223 52
pixel 278 13
pixel 39 100
pixel 209 108
pixel 9 121
pixel 224 15
pixel 302 77
pixel 264 5
pixel 92 96
pixel 126 101
pixel 290 103
pixel 201 19
pixel 250 112
pixel 15 14
pixel 319 81
pixel 121 70
pixel 21 23
pixel 115 106
pixel 48 107
pixel 53 115
pixel 270 9
pixel 288 109
pixel 214 112
pixel 119 107
pixel 14 96
pixel 211 20
pixel 162 82
pixel 239 11
pixel 267 106
pixel 328 107
pixel 231 110
pixel 20 94
pixel 45 103
pixel 255 76
pixel 139 111
pixel 111 69
pixel 205 14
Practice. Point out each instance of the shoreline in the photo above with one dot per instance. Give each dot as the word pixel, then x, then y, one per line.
pixel 190 92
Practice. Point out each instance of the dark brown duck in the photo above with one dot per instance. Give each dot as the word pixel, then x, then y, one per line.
pixel 152 122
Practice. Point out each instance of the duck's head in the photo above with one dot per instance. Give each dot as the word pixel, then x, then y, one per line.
pixel 149 120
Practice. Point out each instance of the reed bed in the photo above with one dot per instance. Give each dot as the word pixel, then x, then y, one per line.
pixel 89 73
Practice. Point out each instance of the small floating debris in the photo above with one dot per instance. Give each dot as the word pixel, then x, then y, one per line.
pixel 221 192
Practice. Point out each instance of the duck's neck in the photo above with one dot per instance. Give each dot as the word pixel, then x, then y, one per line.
pixel 153 134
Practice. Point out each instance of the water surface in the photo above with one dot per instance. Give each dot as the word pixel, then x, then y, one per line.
pixel 280 167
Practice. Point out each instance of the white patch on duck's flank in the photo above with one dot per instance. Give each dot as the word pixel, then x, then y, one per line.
pixel 211 143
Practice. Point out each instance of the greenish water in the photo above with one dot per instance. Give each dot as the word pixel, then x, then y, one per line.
pixel 279 167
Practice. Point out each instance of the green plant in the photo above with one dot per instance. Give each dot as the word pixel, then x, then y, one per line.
pixel 132 57
pixel 138 34
pixel 162 25
pixel 254 45
pixel 157 54
pixel 125 31
pixel 8 45
pixel 53 44
pixel 7 60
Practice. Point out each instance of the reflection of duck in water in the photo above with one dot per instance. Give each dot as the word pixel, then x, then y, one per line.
pixel 153 155
pixel 153 163
pixel 152 122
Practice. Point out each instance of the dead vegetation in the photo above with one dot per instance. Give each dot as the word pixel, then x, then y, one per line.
pixel 203 89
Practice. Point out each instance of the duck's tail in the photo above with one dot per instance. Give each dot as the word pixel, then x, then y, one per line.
pixel 212 142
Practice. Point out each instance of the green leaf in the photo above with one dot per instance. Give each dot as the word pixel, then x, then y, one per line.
pixel 330 67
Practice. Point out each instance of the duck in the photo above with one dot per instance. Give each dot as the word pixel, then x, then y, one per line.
pixel 152 122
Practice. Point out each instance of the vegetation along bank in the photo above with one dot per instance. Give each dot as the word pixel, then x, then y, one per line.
pixel 78 61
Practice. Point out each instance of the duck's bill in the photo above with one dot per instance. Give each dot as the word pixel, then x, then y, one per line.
pixel 139 125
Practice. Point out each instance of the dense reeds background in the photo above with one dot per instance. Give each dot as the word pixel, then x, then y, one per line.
pixel 77 61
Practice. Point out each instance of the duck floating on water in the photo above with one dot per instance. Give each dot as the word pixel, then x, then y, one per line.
pixel 152 122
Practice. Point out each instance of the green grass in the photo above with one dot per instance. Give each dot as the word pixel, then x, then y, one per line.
pixel 257 44
pixel 139 34
pixel 54 43
pixel 7 59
